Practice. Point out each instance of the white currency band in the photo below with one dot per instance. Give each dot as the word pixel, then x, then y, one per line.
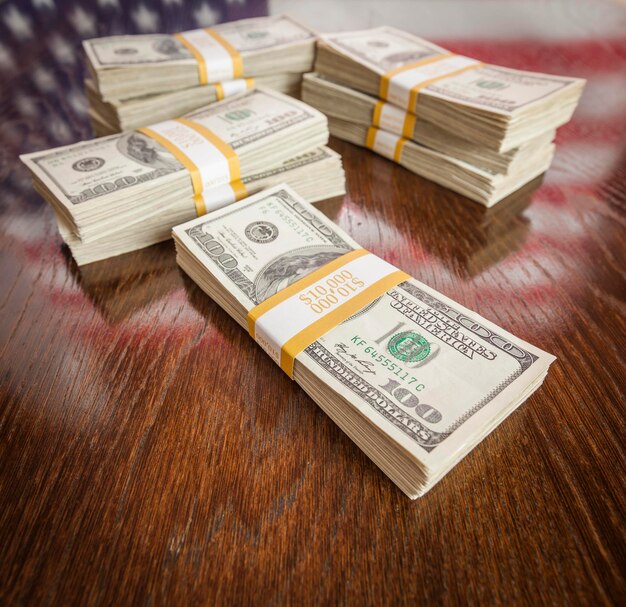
pixel 234 87
pixel 278 325
pixel 386 144
pixel 211 163
pixel 219 197
pixel 218 61
pixel 392 118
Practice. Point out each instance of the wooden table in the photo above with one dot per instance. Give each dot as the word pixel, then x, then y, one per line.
pixel 150 453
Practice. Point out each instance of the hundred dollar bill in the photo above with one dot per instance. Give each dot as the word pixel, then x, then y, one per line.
pixel 101 184
pixel 414 378
pixel 109 117
pixel 468 176
pixel 486 103
pixel 316 175
pixel 346 104
pixel 131 66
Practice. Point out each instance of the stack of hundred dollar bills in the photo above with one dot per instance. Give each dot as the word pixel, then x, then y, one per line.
pixel 413 378
pixel 142 79
pixel 124 192
pixel 480 130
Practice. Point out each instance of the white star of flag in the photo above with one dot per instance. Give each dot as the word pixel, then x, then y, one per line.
pixel 146 20
pixel 19 24
pixel 205 15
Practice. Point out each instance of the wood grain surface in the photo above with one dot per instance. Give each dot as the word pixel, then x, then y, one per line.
pixel 152 454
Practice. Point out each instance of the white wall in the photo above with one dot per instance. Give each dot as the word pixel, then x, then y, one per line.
pixel 489 19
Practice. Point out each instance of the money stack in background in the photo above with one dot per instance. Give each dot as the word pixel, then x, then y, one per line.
pixel 480 130
pixel 124 192
pixel 413 378
pixel 139 80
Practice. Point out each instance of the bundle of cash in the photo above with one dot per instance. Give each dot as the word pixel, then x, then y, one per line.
pixel 142 79
pixel 473 170
pixel 497 107
pixel 339 101
pixel 316 175
pixel 413 378
pixel 123 192
pixel 480 130
pixel 476 182
pixel 116 115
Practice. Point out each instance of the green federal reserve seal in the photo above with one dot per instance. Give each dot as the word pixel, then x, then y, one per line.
pixel 238 114
pixel 409 347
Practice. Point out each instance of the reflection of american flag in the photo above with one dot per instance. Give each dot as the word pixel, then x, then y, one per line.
pixel 42 102
pixel 565 37
pixel 46 105
pixel 42 105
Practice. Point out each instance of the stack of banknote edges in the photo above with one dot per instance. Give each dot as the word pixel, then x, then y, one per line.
pixel 480 130
pixel 413 378
pixel 124 192
pixel 139 80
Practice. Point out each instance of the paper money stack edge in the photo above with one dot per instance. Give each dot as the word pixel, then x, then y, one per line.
pixel 123 192
pixel 138 80
pixel 413 378
pixel 481 130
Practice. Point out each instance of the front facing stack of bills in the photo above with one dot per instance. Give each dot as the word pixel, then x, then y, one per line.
pixel 414 379
pixel 124 192
pixel 481 130
pixel 139 80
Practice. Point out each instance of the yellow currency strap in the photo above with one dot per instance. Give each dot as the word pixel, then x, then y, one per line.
pixel 232 51
pixel 415 91
pixel 202 68
pixel 386 78
pixel 314 331
pixel 239 191
pixel 237 185
pixel 239 188
pixel 397 155
pixel 196 180
pixel 304 282
pixel 219 88
pixel 202 73
pixel 220 144
pixel 376 115
pixel 317 329
pixel 408 128
pixel 370 143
